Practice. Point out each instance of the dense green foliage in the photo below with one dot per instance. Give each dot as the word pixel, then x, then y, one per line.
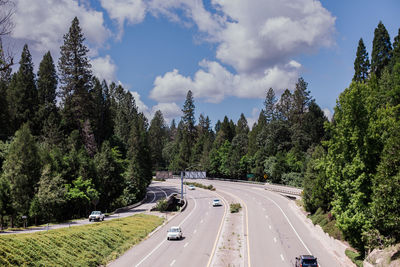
pixel 60 161
pixel 89 245
pixel 355 175
pixel 94 149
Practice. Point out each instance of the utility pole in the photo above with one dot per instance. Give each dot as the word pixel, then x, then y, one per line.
pixel 181 185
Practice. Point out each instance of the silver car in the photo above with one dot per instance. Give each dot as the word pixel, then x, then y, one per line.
pixel 96 216
pixel 175 232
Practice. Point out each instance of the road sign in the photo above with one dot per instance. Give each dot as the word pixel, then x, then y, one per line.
pixel 265 176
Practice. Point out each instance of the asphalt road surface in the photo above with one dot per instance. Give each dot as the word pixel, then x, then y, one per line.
pixel 274 234
pixel 201 227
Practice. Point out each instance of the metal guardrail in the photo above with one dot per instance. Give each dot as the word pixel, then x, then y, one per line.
pixel 284 189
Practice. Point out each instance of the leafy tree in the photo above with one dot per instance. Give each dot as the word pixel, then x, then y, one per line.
pixel 80 195
pixel 381 49
pixel 22 93
pixel 351 162
pixel 316 192
pixel 75 78
pixel 22 169
pixel 361 63
pixel 51 194
pixel 5 200
pixel 110 167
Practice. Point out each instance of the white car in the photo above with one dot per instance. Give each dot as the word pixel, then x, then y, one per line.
pixel 175 232
pixel 217 202
pixel 191 187
pixel 96 216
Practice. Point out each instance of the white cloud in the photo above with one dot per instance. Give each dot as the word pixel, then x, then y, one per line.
pixel 132 11
pixel 169 110
pixel 42 23
pixel 328 113
pixel 213 83
pixel 258 38
pixel 104 68
pixel 140 105
pixel 255 113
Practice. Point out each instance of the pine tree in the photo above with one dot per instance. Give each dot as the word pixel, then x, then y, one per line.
pixel 269 105
pixel 5 78
pixel 395 57
pixel 361 63
pixel 47 86
pixel 75 78
pixel 188 115
pixel 157 139
pixel 381 50
pixel 22 95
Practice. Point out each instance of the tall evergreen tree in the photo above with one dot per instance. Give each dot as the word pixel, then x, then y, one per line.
pixel 269 105
pixel 157 139
pixel 361 63
pixel 75 78
pixel 22 97
pixel 395 58
pixel 381 50
pixel 47 86
pixel 5 78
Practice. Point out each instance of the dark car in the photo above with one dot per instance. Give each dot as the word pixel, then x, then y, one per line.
pixel 306 260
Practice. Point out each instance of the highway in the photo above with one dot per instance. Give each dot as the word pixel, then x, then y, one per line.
pixel 266 232
pixel 201 224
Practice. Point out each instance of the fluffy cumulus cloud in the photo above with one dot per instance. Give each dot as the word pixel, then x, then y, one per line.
pixel 42 23
pixel 213 82
pixel 131 11
pixel 169 110
pixel 258 38
pixel 104 68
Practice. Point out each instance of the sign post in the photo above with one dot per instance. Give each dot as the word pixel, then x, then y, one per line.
pixel 181 185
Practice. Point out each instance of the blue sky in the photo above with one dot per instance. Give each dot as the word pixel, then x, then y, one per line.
pixel 227 52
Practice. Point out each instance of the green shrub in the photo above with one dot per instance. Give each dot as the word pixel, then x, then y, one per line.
pixel 355 257
pixel 89 245
pixel 235 207
pixel 162 205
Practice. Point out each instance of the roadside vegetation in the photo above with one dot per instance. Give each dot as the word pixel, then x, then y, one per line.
pixel 208 187
pixel 88 245
pixel 90 148
pixel 355 257
pixel 235 207
pixel 327 223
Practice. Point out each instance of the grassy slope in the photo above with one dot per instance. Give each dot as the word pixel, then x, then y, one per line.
pixel 89 245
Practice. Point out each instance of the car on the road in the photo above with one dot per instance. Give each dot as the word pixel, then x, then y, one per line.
pixel 306 261
pixel 96 216
pixel 216 202
pixel 175 232
pixel 191 187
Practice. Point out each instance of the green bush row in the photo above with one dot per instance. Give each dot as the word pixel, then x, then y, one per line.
pixel 209 187
pixel 88 245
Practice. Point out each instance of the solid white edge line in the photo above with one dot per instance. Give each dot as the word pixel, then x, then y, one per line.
pixel 162 242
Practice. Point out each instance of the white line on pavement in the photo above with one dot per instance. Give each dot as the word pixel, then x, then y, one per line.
pixel 186 245
pixel 172 263
pixel 159 245
pixel 275 239
pixel 269 227
pixel 194 231
pixel 282 258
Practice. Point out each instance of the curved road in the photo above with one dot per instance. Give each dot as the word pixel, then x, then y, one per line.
pixel 273 235
pixel 201 226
